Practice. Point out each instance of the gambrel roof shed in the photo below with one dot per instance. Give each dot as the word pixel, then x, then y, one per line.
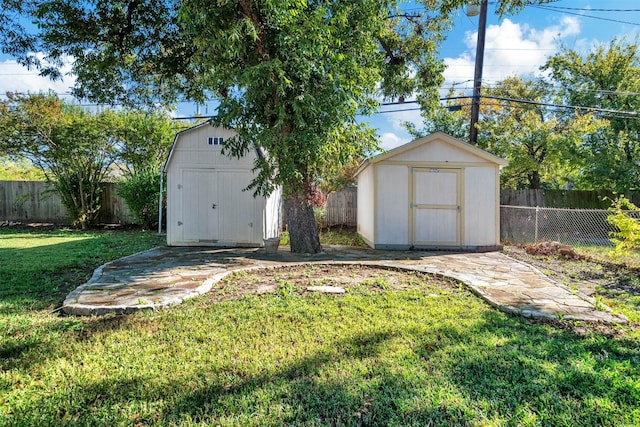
pixel 207 200
pixel 435 192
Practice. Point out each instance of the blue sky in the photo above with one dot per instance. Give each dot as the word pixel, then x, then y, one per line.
pixel 515 45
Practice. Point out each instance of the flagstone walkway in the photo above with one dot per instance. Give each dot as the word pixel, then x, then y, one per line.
pixel 167 276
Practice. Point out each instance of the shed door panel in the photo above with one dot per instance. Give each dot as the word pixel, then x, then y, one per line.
pixel 199 195
pixel 436 206
pixel 237 207
pixel 436 187
pixel 436 226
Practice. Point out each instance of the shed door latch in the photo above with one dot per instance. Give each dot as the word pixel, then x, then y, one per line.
pixel 213 206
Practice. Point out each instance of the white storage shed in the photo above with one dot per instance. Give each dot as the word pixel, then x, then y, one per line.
pixel 436 192
pixel 207 204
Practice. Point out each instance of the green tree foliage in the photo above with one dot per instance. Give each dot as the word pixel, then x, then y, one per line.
pixel 74 148
pixel 305 71
pixel 609 78
pixel 145 142
pixel 452 119
pixel 18 168
pixel 335 175
pixel 78 151
pixel 553 148
pixel 539 144
pixel 624 216
pixel 339 177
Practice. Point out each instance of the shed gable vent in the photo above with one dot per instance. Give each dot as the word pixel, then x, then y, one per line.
pixel 216 141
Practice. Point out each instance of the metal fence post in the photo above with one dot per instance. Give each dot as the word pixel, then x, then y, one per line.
pixel 535 238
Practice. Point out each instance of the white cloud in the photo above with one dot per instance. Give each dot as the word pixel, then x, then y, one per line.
pixel 510 49
pixel 411 114
pixel 390 140
pixel 16 78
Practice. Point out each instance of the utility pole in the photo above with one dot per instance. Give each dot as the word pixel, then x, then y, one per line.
pixel 477 77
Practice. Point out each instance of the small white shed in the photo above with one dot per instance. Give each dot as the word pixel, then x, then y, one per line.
pixel 436 192
pixel 207 204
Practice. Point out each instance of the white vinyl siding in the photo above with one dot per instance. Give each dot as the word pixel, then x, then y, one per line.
pixel 392 205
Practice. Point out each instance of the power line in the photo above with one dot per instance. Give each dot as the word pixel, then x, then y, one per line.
pixel 585 16
pixel 495 83
pixel 20 74
pixel 547 104
pixel 626 114
pixel 605 111
pixel 555 109
pixel 397 111
pixel 592 10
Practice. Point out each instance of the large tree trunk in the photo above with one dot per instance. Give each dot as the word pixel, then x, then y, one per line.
pixel 301 224
pixel 535 182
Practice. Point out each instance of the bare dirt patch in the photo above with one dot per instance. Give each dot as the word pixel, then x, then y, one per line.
pixel 298 278
pixel 585 274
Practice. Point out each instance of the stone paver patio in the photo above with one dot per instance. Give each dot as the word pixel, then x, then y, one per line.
pixel 167 276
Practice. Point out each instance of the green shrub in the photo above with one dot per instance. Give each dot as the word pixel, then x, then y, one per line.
pixel 81 195
pixel 320 215
pixel 627 238
pixel 141 192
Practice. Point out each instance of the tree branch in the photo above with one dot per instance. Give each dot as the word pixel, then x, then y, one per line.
pixel 256 20
pixel 393 58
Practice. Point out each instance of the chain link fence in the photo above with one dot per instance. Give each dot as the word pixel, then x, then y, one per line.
pixel 576 227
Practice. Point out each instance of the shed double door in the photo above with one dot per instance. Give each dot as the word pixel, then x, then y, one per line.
pixel 436 206
pixel 215 207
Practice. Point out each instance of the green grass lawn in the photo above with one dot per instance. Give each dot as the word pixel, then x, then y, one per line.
pixel 430 355
pixel 38 268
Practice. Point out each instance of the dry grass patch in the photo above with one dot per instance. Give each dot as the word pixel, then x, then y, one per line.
pixel 353 278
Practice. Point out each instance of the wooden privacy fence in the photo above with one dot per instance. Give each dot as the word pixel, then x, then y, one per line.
pixel 35 201
pixel 341 208
pixel 574 199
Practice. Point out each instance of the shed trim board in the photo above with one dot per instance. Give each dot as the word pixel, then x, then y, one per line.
pixel 472 149
pixel 375 203
pixel 456 165
pixel 175 141
pixel 448 200
pixel 497 196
